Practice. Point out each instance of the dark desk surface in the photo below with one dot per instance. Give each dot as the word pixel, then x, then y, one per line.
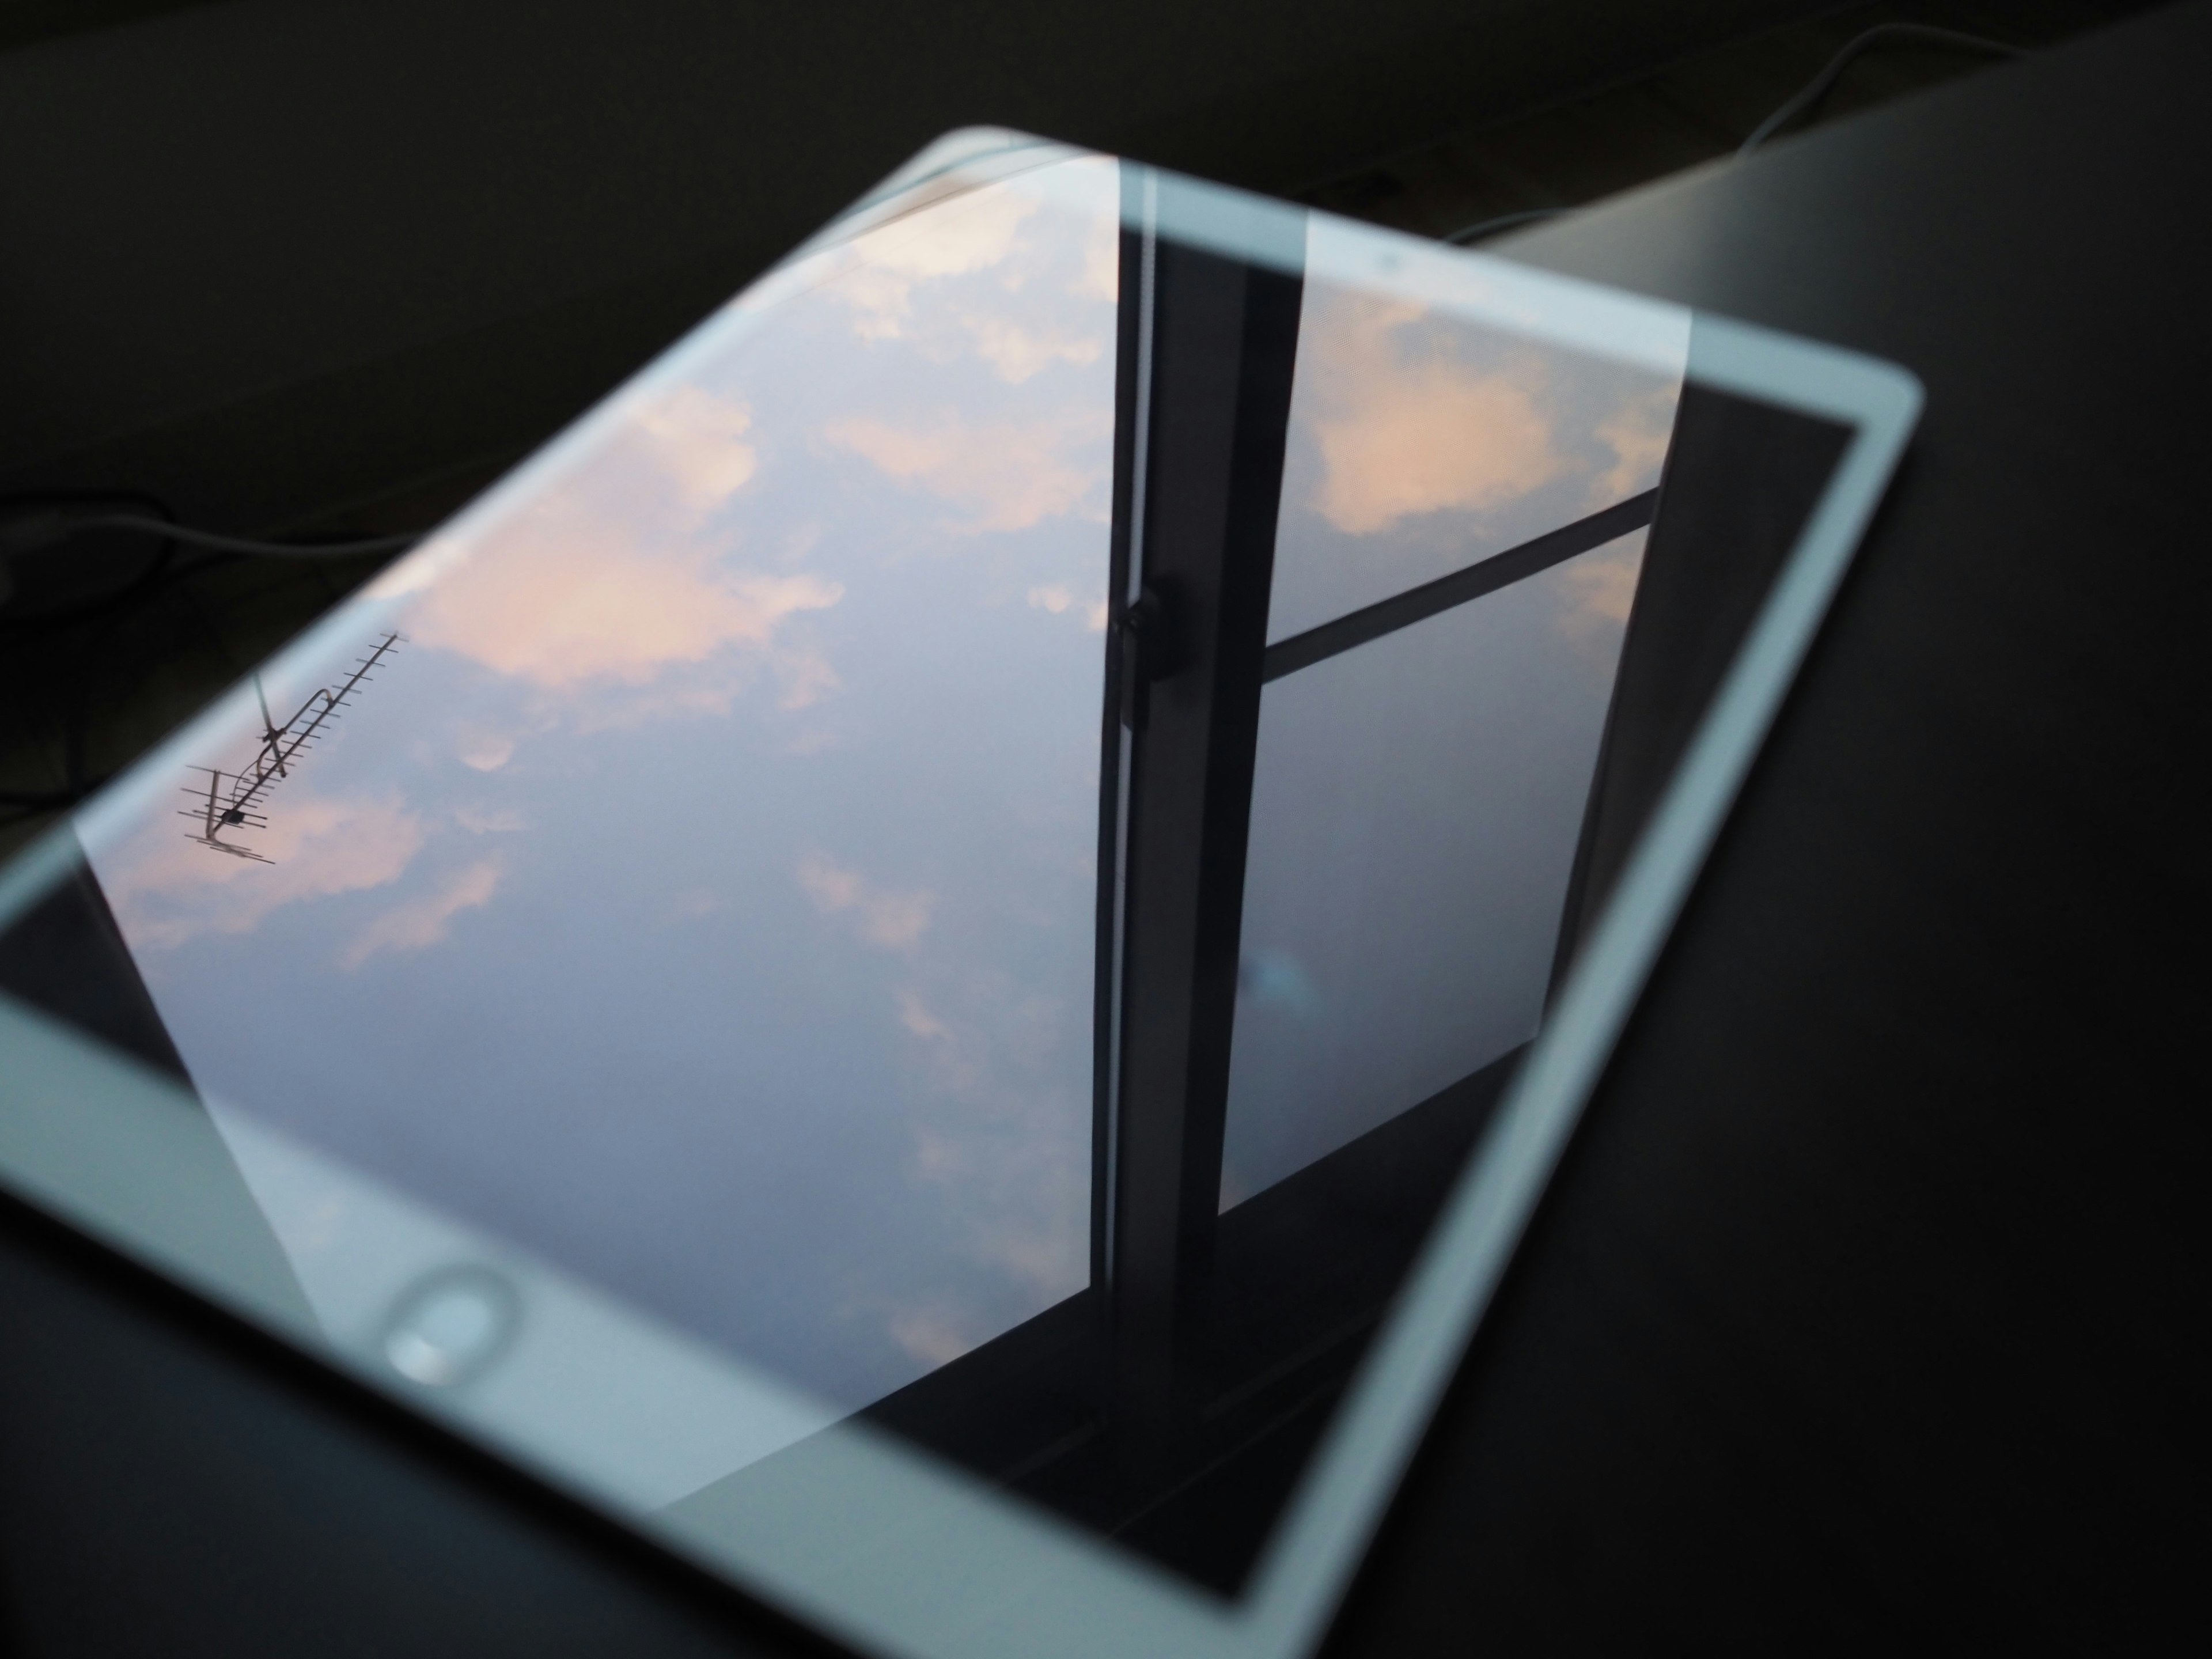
pixel 1866 1304
pixel 1863 1308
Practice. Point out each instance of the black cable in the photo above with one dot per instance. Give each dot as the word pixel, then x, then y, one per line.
pixel 1803 101
pixel 1880 34
pixel 28 531
pixel 249 546
pixel 165 571
pixel 11 516
pixel 1476 232
pixel 56 518
pixel 45 521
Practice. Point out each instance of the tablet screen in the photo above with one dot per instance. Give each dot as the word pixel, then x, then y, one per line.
pixel 972 855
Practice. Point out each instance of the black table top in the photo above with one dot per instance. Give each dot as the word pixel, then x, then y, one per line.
pixel 1863 1303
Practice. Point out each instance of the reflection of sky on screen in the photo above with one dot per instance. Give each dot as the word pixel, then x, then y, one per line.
pixel 1417 799
pixel 1415 806
pixel 703 897
pixel 1422 443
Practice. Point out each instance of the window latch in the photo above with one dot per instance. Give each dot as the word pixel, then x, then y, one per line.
pixel 1146 655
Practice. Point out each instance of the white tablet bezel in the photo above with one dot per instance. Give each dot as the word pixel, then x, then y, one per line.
pixel 881 1545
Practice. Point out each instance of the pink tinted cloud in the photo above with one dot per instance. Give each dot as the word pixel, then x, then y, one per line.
pixel 167 889
pixel 567 595
pixel 625 571
pixel 1005 475
pixel 893 920
pixel 1401 433
pixel 422 922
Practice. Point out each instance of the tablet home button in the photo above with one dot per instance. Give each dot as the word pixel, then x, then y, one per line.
pixel 450 1325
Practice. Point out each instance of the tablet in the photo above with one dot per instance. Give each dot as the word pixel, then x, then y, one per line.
pixel 937 958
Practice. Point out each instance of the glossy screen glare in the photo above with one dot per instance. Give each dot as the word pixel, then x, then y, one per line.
pixel 1420 796
pixel 701 895
pixel 1416 810
pixel 1422 441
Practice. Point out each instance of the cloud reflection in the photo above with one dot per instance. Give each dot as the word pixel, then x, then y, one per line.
pixel 1638 432
pixel 1005 475
pixel 567 595
pixel 893 920
pixel 483 751
pixel 1596 593
pixel 1018 353
pixel 903 281
pixel 697 438
pixel 1422 441
pixel 424 921
pixel 1058 597
pixel 1404 431
pixel 173 890
pixel 1003 1128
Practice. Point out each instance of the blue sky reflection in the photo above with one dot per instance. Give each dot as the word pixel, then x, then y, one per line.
pixel 702 896
pixel 1416 800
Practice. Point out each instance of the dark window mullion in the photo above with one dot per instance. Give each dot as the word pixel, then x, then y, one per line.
pixel 1501 570
pixel 1224 336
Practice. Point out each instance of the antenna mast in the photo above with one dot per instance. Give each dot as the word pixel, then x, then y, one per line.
pixel 234 800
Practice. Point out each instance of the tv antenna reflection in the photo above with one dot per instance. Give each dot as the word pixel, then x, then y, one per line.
pixel 233 800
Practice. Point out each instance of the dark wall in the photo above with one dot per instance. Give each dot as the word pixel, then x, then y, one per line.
pixel 272 257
